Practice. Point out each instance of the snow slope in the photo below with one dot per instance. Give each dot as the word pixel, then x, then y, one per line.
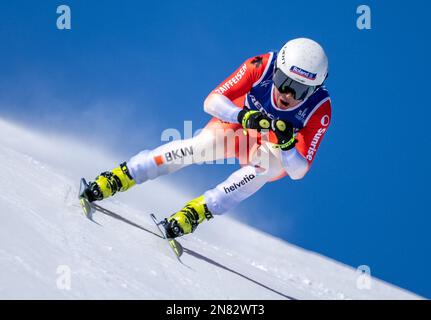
pixel 43 236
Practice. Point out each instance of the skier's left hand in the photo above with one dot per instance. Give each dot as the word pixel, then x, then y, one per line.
pixel 285 134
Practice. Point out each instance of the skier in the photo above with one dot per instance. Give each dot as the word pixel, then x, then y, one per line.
pixel 280 93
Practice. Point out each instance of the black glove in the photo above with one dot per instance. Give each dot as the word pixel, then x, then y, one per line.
pixel 285 134
pixel 252 119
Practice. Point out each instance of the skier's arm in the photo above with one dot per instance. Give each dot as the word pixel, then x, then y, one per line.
pixel 298 160
pixel 219 102
pixel 221 107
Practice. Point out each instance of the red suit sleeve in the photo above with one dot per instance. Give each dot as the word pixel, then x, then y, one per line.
pixel 310 137
pixel 241 81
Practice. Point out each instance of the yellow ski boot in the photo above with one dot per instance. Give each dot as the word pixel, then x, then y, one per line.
pixel 187 219
pixel 110 182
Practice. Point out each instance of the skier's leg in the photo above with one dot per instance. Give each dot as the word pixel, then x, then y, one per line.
pixel 264 167
pixel 237 187
pixel 167 158
pixel 209 145
pixel 172 156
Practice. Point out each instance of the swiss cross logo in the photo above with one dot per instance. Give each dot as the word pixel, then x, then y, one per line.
pixel 257 61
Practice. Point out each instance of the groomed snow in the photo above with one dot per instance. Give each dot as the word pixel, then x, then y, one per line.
pixel 44 236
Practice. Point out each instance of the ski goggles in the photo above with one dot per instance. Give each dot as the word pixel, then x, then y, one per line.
pixel 284 84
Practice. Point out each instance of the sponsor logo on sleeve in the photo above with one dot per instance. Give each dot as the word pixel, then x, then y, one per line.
pixel 314 143
pixel 234 80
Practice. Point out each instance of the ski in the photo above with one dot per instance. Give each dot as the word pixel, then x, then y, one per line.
pixel 86 205
pixel 176 247
pixel 88 209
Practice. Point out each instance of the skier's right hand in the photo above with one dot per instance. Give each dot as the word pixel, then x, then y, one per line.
pixel 253 119
pixel 285 134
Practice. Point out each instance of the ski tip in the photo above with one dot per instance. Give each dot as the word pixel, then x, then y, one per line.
pixel 87 208
pixel 177 247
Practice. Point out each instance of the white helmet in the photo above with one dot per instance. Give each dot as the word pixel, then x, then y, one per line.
pixel 304 61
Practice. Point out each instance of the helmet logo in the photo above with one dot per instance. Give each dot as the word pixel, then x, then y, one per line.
pixel 257 61
pixel 283 59
pixel 303 73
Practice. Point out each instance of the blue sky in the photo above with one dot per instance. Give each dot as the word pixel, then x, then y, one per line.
pixel 128 70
